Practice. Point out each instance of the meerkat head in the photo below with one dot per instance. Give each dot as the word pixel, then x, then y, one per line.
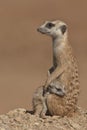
pixel 56 89
pixel 55 29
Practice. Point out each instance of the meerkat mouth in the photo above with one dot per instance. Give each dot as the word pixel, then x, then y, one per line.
pixel 41 31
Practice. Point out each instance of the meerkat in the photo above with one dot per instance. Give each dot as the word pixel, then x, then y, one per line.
pixel 64 69
pixel 39 101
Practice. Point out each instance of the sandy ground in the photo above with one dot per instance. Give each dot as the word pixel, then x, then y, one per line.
pixel 26 55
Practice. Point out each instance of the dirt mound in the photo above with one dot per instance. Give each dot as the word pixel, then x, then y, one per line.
pixel 18 119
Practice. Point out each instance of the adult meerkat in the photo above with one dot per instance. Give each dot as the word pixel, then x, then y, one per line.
pixel 64 69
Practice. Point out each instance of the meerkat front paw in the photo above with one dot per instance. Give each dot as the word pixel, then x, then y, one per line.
pixel 48 73
pixel 47 83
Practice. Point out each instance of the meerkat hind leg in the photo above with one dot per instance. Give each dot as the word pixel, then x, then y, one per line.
pixel 44 110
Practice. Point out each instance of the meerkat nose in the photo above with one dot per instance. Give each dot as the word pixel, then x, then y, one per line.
pixel 38 29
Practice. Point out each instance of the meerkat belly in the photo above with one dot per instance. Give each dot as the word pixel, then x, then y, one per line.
pixel 55 105
pixel 60 106
pixel 64 105
pixel 71 84
pixel 70 79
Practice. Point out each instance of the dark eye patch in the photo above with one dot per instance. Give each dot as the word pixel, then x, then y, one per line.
pixel 50 25
pixel 59 89
pixel 63 29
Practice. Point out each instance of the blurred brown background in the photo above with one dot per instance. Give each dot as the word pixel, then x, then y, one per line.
pixel 26 55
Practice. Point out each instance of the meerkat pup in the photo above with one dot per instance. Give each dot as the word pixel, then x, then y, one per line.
pixel 39 101
pixel 64 69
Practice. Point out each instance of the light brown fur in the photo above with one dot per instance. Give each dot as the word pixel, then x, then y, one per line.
pixel 65 70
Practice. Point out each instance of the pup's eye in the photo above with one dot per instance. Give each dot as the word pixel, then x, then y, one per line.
pixel 50 25
pixel 58 89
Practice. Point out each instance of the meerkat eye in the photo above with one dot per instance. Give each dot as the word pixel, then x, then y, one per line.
pixel 63 29
pixel 58 89
pixel 50 25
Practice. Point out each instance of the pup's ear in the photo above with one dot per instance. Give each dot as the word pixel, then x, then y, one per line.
pixel 63 29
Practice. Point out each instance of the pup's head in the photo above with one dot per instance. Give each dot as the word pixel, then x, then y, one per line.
pixel 57 89
pixel 53 28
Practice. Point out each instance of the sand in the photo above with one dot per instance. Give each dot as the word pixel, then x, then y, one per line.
pixel 26 55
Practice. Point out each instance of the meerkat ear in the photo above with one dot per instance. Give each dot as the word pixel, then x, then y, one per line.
pixel 63 28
